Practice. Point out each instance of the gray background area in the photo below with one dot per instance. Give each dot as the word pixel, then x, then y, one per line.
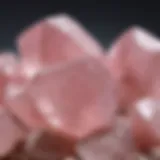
pixel 106 19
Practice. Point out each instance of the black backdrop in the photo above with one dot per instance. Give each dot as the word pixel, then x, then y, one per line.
pixel 105 21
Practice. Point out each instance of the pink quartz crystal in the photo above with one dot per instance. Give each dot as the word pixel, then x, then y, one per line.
pixel 134 61
pixel 74 99
pixel 55 39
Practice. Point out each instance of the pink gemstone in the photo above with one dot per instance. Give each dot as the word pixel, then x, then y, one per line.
pixel 134 61
pixel 74 99
pixel 56 39
pixel 145 117
pixel 113 145
pixel 10 133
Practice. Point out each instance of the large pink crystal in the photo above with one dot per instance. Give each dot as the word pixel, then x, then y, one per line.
pixel 75 99
pixel 60 97
pixel 134 61
pixel 55 39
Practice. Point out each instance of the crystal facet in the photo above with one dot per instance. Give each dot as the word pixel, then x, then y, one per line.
pixel 75 99
pixel 113 145
pixel 145 117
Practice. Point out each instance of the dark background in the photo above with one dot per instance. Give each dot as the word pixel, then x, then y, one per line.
pixel 105 21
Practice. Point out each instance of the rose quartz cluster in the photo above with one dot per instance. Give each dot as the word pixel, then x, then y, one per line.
pixel 63 99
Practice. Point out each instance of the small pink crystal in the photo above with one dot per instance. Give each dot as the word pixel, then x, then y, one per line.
pixel 145 118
